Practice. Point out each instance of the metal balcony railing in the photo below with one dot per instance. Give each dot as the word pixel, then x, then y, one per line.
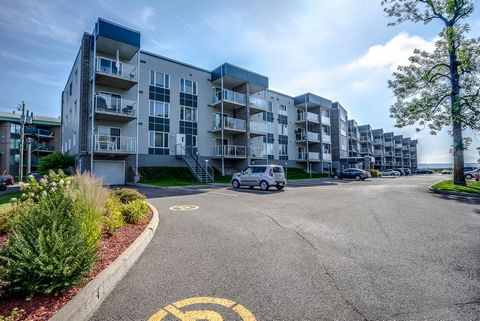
pixel 120 69
pixel 327 156
pixel 115 105
pixel 258 127
pixel 232 151
pixel 229 96
pixel 119 144
pixel 325 120
pixel 258 153
pixel 258 103
pixel 229 123
pixel 326 138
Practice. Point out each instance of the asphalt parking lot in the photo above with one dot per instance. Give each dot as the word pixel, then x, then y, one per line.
pixel 382 249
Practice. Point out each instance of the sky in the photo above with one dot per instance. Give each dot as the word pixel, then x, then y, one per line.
pixel 342 50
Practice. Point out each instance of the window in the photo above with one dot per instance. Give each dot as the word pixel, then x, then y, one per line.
pixel 188 86
pixel 326 149
pixel 159 109
pixel 188 113
pixel 157 139
pixel 326 130
pixel 14 129
pixel 269 149
pixel 159 79
pixel 282 129
pixel 282 110
pixel 74 140
pixel 258 170
pixel 70 90
pixel 325 113
pixel 194 140
pixel 269 128
pixel 282 150
pixel 14 143
pixel 69 143
pixel 270 106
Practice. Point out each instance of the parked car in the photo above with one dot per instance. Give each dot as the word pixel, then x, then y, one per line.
pixel 470 168
pixel 471 174
pixel 354 173
pixel 447 172
pixel 390 172
pixel 424 172
pixel 263 176
pixel 7 179
pixel 400 170
pixel 407 171
pixel 35 175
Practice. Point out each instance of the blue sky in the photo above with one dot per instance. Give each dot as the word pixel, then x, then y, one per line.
pixel 342 49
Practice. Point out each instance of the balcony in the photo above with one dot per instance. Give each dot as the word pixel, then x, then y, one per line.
pixel 121 75
pixel 307 136
pixel 115 109
pixel 229 151
pixel 325 120
pixel 105 144
pixel 378 142
pixel 258 153
pixel 326 138
pixel 42 148
pixel 43 133
pixel 327 157
pixel 257 128
pixel 310 156
pixel 406 148
pixel 231 99
pixel 388 154
pixel 398 155
pixel 398 146
pixel 230 124
pixel 257 105
pixel 388 144
pixel 365 151
pixel 311 117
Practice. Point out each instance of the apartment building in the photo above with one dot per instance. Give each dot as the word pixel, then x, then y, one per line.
pixel 378 148
pixel 389 150
pixel 43 134
pixel 124 108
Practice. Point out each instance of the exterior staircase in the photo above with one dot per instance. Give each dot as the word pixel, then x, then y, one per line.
pixel 202 174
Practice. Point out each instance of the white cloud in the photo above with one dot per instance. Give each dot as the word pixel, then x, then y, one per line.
pixel 392 54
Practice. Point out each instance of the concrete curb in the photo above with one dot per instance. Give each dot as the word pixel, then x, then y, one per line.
pixel 450 193
pixel 84 304
pixel 199 186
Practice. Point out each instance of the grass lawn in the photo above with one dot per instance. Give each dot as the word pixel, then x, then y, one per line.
pixel 5 198
pixel 297 173
pixel 472 187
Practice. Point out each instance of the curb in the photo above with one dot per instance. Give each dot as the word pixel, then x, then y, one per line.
pixel 85 302
pixel 199 186
pixel 437 191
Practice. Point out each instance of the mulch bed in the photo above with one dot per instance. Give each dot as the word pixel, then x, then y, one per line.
pixel 43 306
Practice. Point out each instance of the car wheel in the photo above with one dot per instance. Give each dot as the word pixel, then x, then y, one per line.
pixel 468 176
pixel 335 177
pixel 3 188
pixel 264 186
pixel 235 184
pixel 392 174
pixel 280 187
pixel 358 177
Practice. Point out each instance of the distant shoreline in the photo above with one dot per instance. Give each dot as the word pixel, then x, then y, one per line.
pixel 445 165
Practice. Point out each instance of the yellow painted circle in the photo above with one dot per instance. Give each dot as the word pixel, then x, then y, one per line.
pixel 194 315
pixel 183 208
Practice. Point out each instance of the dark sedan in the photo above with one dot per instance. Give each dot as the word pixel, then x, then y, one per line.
pixel 6 179
pixel 424 172
pixel 353 173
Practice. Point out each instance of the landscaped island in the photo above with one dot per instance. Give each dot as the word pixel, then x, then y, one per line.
pixel 57 235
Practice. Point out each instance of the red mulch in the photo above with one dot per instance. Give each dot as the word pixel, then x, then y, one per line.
pixel 43 306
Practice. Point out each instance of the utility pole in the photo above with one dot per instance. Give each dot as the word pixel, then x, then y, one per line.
pixel 25 118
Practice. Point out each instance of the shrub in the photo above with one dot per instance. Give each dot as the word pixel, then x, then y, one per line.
pixel 127 195
pixel 113 217
pixel 14 315
pixel 55 161
pixel 135 212
pixel 3 283
pixel 53 246
pixel 375 173
pixel 8 217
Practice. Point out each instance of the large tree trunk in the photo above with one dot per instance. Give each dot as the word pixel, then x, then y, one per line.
pixel 458 146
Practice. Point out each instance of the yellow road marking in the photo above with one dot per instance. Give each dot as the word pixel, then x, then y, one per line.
pixel 206 315
pixel 183 208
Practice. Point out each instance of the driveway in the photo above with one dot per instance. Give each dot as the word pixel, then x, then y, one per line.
pixel 383 249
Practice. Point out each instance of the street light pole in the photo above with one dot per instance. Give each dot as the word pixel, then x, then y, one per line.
pixel 25 118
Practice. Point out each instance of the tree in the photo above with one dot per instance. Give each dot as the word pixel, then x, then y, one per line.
pixel 440 88
pixel 55 161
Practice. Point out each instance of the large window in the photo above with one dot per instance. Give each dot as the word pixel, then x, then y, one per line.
pixel 282 150
pixel 14 129
pixel 269 149
pixel 188 113
pixel 157 139
pixel 159 79
pixel 282 129
pixel 159 109
pixel 282 110
pixel 327 149
pixel 188 86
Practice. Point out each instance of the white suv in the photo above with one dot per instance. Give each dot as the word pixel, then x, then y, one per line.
pixel 260 175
